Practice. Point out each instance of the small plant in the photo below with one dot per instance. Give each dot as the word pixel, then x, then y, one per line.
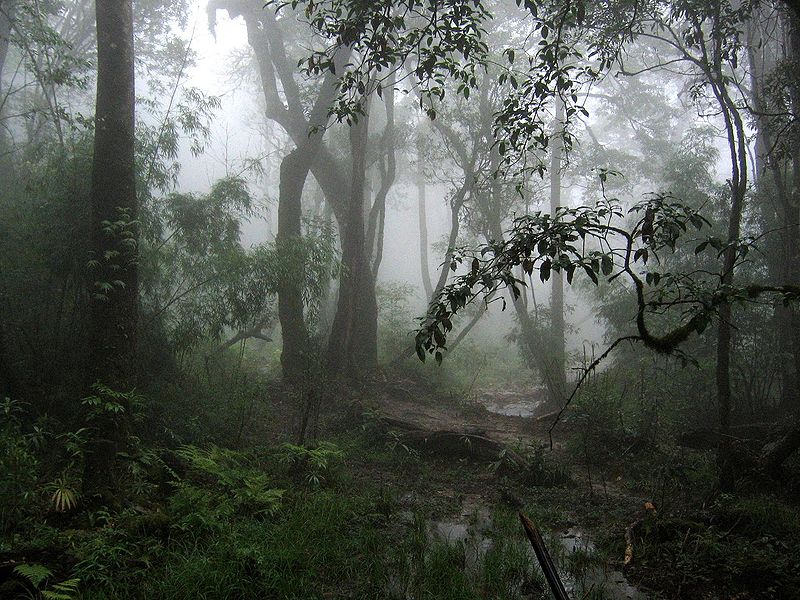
pixel 107 401
pixel 542 473
pixel 65 495
pixel 316 463
pixel 37 576
pixel 395 443
pixel 18 466
pixel 502 460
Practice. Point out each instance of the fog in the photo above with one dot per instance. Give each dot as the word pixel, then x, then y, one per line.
pixel 399 299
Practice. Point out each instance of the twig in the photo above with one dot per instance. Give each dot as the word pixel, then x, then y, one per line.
pixel 586 373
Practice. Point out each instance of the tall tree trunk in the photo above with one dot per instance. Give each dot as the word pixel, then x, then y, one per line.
pixel 6 14
pixel 352 347
pixel 783 267
pixel 388 170
pixel 7 10
pixel 557 351
pixel 293 174
pixel 114 233
pixel 7 386
pixel 792 211
pixel 423 216
pixel 737 145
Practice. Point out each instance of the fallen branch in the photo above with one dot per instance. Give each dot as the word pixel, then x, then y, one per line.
pixel 254 332
pixel 629 536
pixel 586 373
pixel 548 567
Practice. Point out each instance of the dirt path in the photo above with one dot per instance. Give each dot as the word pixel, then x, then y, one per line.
pixel 400 403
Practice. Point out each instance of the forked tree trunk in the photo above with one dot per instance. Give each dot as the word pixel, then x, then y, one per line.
pixel 352 347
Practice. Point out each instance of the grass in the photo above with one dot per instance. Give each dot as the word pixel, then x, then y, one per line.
pixel 353 519
pixel 342 537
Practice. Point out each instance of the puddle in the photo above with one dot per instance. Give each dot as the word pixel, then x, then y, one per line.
pixel 574 547
pixel 578 548
pixel 474 535
pixel 513 404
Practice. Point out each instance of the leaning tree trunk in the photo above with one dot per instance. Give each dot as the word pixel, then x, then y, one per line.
pixel 114 237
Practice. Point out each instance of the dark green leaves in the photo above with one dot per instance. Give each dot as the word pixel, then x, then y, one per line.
pixel 607 264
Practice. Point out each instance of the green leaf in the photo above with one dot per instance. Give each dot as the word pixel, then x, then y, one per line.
pixel 607 264
pixel 590 273
pixel 544 271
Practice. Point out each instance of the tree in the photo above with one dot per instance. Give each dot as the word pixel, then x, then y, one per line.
pixel 774 99
pixel 114 232
pixel 704 35
pixel 306 126
pixel 557 360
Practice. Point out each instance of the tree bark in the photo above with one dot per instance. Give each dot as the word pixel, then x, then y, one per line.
pixel 294 334
pixel 557 352
pixel 114 236
pixel 352 347
pixel 737 145
pixel 425 271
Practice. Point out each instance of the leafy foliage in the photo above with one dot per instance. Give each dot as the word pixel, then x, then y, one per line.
pixel 18 466
pixel 591 240
pixel 315 464
pixel 242 487
pixel 37 576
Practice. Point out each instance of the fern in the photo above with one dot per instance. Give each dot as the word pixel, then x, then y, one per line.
pixel 66 590
pixel 37 576
pixel 247 488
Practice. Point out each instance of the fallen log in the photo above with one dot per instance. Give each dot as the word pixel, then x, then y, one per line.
pixel 708 439
pixel 461 444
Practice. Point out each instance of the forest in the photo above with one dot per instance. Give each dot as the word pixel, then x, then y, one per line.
pixel 400 299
